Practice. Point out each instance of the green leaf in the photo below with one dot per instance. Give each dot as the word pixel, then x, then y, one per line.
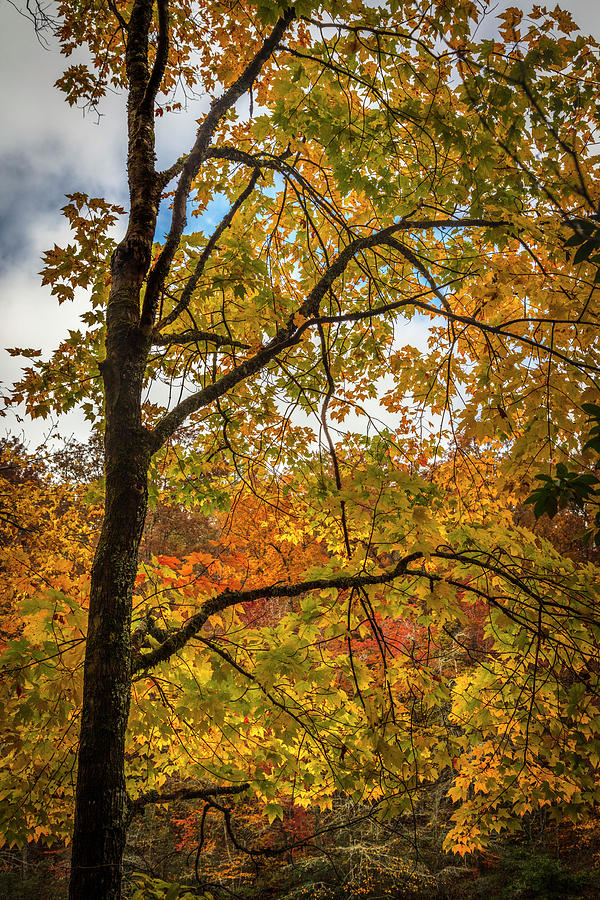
pixel 585 251
pixel 273 811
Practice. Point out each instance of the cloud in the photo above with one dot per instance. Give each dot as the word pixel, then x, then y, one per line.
pixel 46 151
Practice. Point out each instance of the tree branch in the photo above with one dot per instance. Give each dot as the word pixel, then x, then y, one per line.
pixel 194 160
pixel 287 336
pixel 137 806
pixel 191 283
pixel 291 333
pixel 500 332
pixel 136 54
pixel 193 335
pixel 178 639
pixel 289 172
pixel 160 61
pixel 113 8
pixel 486 563
pixel 270 697
pixel 412 258
pixel 144 190
pixel 167 175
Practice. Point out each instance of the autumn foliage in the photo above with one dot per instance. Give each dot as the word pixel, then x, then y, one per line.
pixel 341 558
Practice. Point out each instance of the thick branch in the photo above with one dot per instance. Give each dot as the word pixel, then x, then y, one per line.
pixel 486 563
pixel 226 599
pixel 144 192
pixel 137 805
pixel 160 61
pixel 195 159
pixel 136 55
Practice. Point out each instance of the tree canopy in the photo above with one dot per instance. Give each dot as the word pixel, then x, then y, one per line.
pixel 366 608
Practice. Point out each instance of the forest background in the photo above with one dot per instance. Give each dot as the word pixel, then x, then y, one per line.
pixel 373 741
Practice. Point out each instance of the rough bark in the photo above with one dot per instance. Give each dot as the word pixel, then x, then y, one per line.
pixel 101 800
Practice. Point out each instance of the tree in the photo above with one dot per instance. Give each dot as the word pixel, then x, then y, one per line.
pixel 388 168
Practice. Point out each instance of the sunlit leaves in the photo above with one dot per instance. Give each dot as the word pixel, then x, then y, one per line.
pixel 468 645
pixel 45 551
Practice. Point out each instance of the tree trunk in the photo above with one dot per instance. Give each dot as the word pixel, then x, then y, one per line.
pixel 101 804
pixel 101 798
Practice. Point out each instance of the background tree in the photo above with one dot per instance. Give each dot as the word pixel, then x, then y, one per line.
pixel 393 169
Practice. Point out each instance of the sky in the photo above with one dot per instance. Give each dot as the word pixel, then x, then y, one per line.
pixel 47 150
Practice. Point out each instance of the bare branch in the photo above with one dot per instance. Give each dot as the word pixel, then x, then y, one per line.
pixel 37 13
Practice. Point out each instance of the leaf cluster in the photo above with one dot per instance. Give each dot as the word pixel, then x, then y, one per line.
pixel 571 487
pixel 586 242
